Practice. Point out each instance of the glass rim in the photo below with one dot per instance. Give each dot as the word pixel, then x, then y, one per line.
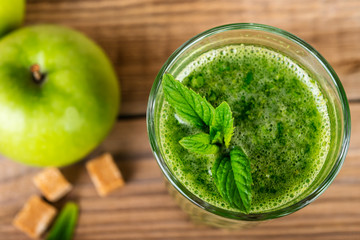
pixel 231 214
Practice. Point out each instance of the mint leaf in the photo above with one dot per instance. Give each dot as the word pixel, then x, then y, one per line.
pixel 242 174
pixel 189 106
pixel 222 127
pixel 220 172
pixel 65 223
pixel 224 180
pixel 232 178
pixel 199 143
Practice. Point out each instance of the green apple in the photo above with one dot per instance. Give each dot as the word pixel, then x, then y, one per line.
pixel 59 95
pixel 11 15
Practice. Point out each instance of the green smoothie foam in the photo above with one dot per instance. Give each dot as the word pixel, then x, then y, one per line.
pixel 280 119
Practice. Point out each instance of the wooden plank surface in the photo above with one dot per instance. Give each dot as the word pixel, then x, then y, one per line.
pixel 138 36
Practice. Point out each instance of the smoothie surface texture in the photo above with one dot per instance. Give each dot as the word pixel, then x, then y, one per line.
pixel 280 120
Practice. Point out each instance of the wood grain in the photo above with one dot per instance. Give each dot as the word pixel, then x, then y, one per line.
pixel 139 35
pixel 144 210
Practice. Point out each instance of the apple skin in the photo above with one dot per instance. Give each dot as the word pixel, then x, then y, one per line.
pixel 11 15
pixel 61 120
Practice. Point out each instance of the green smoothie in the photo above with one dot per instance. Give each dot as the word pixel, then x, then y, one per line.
pixel 280 118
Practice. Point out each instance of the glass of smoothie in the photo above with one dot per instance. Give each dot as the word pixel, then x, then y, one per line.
pixel 291 118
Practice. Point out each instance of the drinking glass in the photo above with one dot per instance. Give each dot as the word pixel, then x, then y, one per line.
pixel 288 45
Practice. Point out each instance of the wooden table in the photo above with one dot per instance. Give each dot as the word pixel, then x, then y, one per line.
pixel 138 36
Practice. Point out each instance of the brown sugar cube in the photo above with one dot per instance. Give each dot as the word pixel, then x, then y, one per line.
pixel 35 217
pixel 104 174
pixel 52 184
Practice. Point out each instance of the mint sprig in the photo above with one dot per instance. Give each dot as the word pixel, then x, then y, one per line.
pixel 231 172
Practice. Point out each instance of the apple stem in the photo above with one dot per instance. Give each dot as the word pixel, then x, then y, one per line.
pixel 37 76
